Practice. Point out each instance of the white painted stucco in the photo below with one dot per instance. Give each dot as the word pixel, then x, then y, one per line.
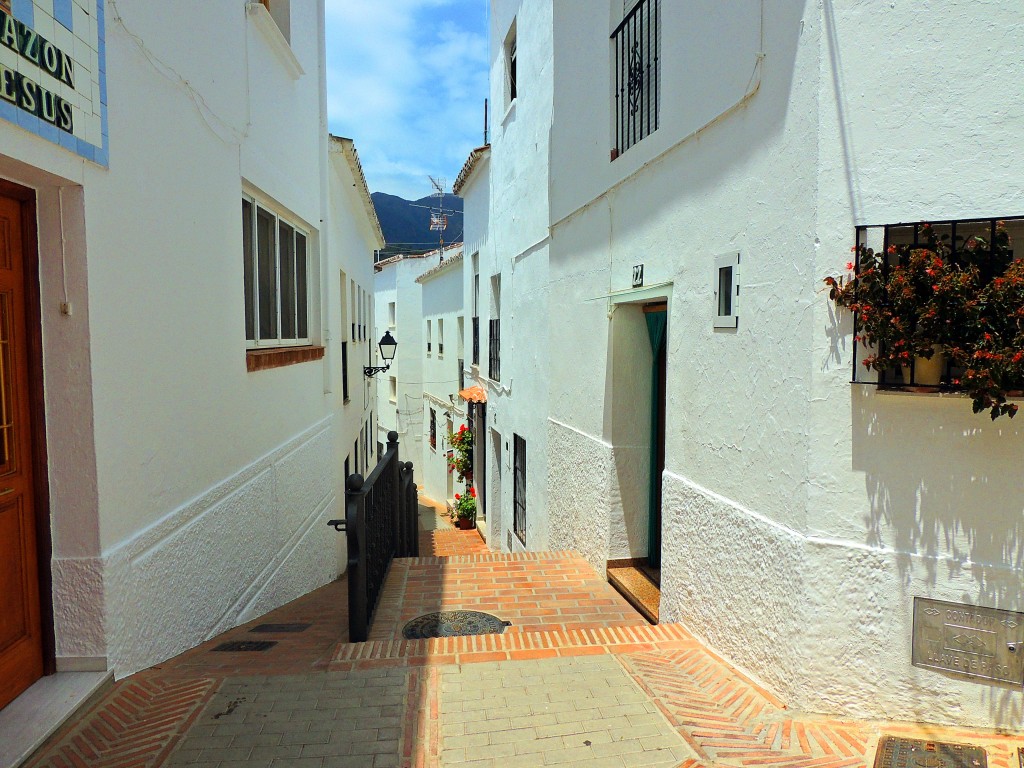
pixel 187 494
pixel 801 514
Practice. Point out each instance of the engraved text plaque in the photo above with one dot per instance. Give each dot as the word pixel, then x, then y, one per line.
pixel 985 643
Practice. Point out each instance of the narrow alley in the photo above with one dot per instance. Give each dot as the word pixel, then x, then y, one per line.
pixel 577 678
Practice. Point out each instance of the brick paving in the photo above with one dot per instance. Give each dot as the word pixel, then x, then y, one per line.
pixel 578 679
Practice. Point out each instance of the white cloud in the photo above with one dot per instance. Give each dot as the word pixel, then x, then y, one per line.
pixel 406 80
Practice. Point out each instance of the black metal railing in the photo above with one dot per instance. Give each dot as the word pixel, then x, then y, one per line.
pixel 476 341
pixel 637 75
pixel 381 523
pixel 494 350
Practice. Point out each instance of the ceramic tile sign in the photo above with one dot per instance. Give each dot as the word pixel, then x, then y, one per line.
pixel 53 72
pixel 968 640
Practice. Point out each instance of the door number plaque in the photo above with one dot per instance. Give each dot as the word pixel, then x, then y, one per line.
pixel 982 643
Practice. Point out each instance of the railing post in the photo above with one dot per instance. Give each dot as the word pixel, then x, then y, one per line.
pixel 409 510
pixel 355 527
pixel 395 483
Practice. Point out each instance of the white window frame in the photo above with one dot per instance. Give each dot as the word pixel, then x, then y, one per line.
pixel 730 319
pixel 511 49
pixel 251 261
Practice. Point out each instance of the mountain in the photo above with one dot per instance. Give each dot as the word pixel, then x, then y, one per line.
pixel 407 228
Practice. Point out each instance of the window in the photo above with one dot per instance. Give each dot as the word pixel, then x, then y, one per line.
pixel 433 429
pixel 391 314
pixel 394 390
pixel 476 309
pixel 494 332
pixel 429 334
pixel 355 454
pixel 519 488
pixel 280 12
pixel 276 278
pixel 344 370
pixel 727 290
pixel 637 74
pixel 511 66
pixel 440 337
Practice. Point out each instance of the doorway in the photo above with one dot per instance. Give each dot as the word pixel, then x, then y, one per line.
pixel 24 651
pixel 656 316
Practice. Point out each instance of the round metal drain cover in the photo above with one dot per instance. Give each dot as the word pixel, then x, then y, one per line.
pixel 453 624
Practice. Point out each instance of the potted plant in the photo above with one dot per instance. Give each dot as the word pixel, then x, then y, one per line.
pixel 915 303
pixel 464 512
pixel 461 460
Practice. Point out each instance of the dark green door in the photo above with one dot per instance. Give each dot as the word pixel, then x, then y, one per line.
pixel 657 327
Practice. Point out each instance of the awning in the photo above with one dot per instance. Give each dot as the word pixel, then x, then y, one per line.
pixel 474 394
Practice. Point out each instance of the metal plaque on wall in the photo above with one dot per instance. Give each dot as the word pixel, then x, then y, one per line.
pixel 984 643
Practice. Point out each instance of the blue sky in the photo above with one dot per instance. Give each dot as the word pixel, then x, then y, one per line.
pixel 406 79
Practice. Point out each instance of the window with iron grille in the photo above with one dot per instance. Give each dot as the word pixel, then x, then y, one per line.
pixel 344 370
pixel 519 488
pixel 433 429
pixel 636 43
pixel 982 247
pixel 476 341
pixel 494 357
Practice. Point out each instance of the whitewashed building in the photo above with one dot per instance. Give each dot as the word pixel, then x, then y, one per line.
pixel 441 291
pixel 186 262
pixel 668 185
pixel 419 300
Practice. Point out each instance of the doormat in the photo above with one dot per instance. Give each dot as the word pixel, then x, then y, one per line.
pixel 246 645
pixel 898 752
pixel 281 628
pixel 454 624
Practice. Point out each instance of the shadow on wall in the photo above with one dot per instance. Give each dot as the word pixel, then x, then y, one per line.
pixel 946 492
pixel 944 485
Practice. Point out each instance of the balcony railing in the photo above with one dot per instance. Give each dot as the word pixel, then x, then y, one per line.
pixel 476 341
pixel 381 523
pixel 637 43
pixel 494 356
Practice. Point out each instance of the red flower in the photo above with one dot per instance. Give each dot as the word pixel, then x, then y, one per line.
pixel 457 497
pixel 472 492
pixel 849 266
pixel 892 249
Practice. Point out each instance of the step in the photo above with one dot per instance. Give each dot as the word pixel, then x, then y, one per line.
pixel 635 584
pixel 28 721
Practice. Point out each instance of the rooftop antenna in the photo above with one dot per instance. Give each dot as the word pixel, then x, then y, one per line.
pixel 438 213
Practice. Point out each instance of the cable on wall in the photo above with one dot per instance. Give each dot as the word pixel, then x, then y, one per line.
pixel 169 73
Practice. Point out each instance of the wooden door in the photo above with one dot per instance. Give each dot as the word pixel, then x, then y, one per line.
pixel 21 637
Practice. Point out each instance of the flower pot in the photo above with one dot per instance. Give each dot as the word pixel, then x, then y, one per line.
pixel 928 371
pixel 464 523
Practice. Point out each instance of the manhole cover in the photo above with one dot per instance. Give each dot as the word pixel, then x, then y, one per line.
pixel 453 624
pixel 898 752
pixel 246 645
pixel 281 628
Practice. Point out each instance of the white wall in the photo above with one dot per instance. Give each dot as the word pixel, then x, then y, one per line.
pixel 442 302
pixel 801 515
pixel 163 448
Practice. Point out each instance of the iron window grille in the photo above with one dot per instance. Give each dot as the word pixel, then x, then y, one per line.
pixel 637 51
pixel 957 233
pixel 433 429
pixel 476 341
pixel 494 356
pixel 519 488
pixel 344 372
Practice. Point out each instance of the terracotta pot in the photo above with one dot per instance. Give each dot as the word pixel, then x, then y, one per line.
pixel 928 371
pixel 464 523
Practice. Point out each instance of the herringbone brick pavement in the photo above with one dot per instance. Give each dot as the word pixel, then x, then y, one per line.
pixel 137 725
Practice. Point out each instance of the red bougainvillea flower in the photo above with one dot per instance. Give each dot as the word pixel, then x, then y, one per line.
pixel 472 492
pixel 892 249
pixel 849 266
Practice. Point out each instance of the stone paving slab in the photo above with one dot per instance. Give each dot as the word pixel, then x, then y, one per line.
pixel 320 720
pixel 581 711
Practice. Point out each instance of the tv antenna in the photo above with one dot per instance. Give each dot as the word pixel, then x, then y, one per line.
pixel 438 213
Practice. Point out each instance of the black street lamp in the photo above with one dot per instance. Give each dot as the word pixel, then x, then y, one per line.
pixel 387 346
